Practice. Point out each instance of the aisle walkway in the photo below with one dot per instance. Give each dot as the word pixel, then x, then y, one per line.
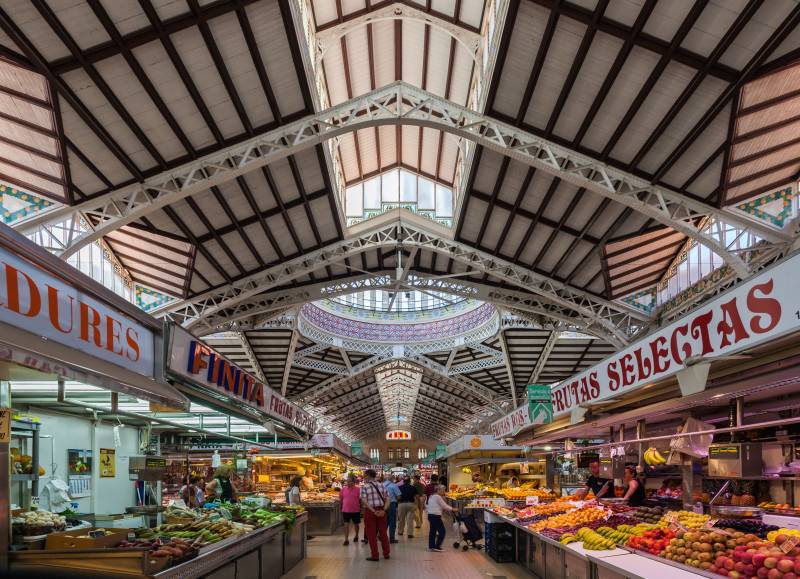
pixel 329 559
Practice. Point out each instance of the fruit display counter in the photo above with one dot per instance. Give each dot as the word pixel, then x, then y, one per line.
pixel 571 538
pixel 324 512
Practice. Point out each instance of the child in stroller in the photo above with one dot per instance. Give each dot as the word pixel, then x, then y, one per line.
pixel 467 528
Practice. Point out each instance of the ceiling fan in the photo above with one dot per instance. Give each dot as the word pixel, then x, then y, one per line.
pixel 401 274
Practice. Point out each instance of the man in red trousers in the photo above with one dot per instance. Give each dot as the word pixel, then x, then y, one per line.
pixel 374 501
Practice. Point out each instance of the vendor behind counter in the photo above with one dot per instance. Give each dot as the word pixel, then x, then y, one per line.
pixel 601 487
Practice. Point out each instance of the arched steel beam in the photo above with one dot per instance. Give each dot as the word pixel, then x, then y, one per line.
pixel 403 228
pixel 325 39
pixel 401 104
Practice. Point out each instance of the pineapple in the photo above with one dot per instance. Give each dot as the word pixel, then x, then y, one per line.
pixel 748 498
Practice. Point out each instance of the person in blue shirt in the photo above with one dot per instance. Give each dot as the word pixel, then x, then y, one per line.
pixel 393 491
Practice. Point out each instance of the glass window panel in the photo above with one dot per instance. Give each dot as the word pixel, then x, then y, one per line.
pixel 86 260
pixel 408 187
pixel 426 198
pixel 372 194
pixel 389 187
pixel 354 205
pixel 108 274
pixel 444 201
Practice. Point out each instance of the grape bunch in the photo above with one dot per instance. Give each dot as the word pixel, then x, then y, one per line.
pixel 747 526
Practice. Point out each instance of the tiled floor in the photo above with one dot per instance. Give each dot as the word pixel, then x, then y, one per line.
pixel 410 559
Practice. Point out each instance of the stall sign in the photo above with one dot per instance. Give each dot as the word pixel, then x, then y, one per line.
pixel 511 423
pixel 319 440
pixel 479 442
pixel 194 360
pixel 108 463
pixel 540 404
pixel 441 451
pixel 356 448
pixel 398 435
pixel 37 302
pixel 757 311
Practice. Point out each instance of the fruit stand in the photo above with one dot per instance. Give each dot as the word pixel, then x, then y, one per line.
pixel 575 539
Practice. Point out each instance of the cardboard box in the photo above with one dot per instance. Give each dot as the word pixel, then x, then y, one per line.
pixel 80 540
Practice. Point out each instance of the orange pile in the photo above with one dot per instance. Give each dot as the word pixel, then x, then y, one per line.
pixel 577 517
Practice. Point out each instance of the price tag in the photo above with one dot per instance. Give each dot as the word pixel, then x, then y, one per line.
pixel 5 426
pixel 165 540
pixel 97 534
pixel 532 500
pixel 34 501
pixel 789 543
pixel 711 522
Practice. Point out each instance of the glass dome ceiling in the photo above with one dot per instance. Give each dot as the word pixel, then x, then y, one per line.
pixel 398 301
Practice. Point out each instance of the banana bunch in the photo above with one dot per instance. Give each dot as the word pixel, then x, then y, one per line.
pixel 653 458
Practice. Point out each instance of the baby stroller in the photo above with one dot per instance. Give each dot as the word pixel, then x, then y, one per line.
pixel 466 527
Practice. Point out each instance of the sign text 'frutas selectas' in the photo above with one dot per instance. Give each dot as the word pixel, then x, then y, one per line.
pixel 761 309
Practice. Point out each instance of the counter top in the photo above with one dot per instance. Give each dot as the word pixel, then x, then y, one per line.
pixel 638 567
pixel 216 555
pixel 578 548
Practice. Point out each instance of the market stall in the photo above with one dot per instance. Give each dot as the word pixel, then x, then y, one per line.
pixel 263 544
pixel 714 444
pixel 83 401
pixel 321 462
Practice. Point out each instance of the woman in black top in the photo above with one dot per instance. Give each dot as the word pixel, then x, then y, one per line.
pixel 634 487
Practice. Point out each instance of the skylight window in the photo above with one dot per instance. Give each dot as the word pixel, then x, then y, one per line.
pixel 404 301
pixel 697 261
pixel 396 189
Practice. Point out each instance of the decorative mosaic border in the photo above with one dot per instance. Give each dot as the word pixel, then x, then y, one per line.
pixel 398 333
pixel 35 203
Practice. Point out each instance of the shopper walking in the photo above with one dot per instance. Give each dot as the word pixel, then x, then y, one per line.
pixel 437 506
pixel 406 506
pixel 374 499
pixel 351 508
pixel 393 492
pixel 419 501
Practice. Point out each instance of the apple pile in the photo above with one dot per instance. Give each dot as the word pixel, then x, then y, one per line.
pixel 759 559
pixel 762 559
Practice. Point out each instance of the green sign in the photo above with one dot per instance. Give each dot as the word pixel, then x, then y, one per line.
pixel 540 404
pixel 441 451
pixel 356 448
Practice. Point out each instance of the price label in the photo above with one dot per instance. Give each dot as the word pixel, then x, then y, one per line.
pixel 711 522
pixel 34 501
pixel 97 534
pixel 789 543
pixel 531 500
pixel 5 425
